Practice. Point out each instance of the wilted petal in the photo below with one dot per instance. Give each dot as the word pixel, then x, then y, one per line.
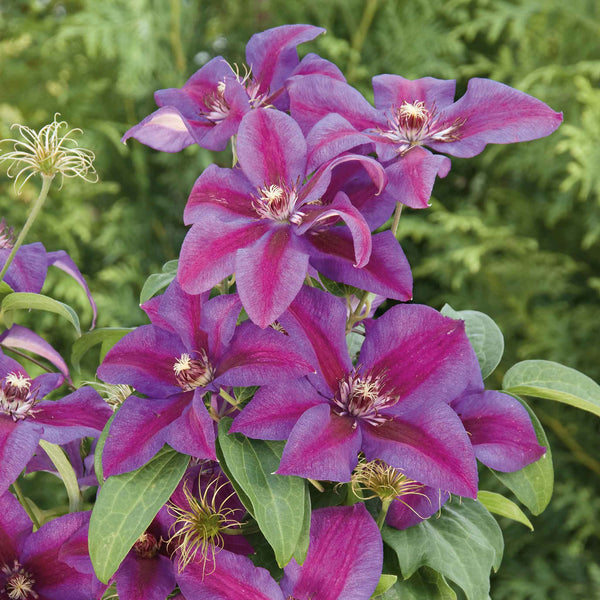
pixel 391 91
pixel 500 430
pixel 270 274
pixel 209 249
pixel 322 445
pixel 275 409
pixel 25 339
pixel 493 113
pixel 271 148
pixel 344 559
pixel 411 177
pixel 228 577
pixel 61 260
pixel 165 129
pixel 427 442
pixel 387 273
pixel 80 414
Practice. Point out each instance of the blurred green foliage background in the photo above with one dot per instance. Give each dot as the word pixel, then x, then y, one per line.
pixel 514 232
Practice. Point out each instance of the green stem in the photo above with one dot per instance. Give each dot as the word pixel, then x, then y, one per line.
pixel 356 315
pixel 228 398
pixel 46 182
pixel 65 470
pixel 25 504
pixel 358 39
pixel 385 506
pixel 396 222
pixel 175 35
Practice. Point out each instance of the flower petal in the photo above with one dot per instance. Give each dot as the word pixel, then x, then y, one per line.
pixel 270 274
pixel 322 445
pixel 387 273
pixel 15 526
pixel 145 578
pixel 493 113
pixel 27 271
pixel 500 430
pixel 271 148
pixel 344 559
pixel 313 64
pixel 209 249
pixel 391 91
pixel 410 509
pixel 18 442
pixel 219 320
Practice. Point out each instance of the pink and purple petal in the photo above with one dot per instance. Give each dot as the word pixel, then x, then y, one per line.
pixel 411 177
pixel 270 274
pixel 145 578
pixel 219 320
pixel 391 91
pixel 209 250
pixel 271 148
pixel 428 443
pixel 387 273
pixel 27 272
pixel 15 526
pixel 322 445
pixel 80 414
pixel 313 64
pixel 413 508
pixel 275 409
pixel 493 113
pixel 500 430
pixel 344 559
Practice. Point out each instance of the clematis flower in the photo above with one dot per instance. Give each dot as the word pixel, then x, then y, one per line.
pixel 192 348
pixel 25 418
pixel 267 220
pixel 344 562
pixel 410 115
pixel 208 109
pixel 30 563
pixel 393 406
pixel 28 270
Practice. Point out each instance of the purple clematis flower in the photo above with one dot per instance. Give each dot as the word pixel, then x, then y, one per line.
pixel 192 348
pixel 393 406
pixel 27 272
pixel 267 220
pixel 344 562
pixel 410 115
pixel 208 109
pixel 25 420
pixel 31 566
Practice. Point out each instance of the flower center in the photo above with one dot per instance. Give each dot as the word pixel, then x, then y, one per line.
pixel 16 398
pixel 413 124
pixel 191 373
pixel 198 531
pixel 278 203
pixel 19 583
pixel 363 398
pixel 217 108
pixel 7 237
pixel 146 546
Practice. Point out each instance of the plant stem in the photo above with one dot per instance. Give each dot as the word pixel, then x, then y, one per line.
pixel 356 314
pixel 396 222
pixel 46 182
pixel 25 504
pixel 358 39
pixel 385 505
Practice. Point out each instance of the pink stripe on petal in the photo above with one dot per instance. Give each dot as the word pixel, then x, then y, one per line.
pixel 270 274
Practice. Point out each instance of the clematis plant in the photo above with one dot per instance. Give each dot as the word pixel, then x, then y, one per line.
pixel 288 417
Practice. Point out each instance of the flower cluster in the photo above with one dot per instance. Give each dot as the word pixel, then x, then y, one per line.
pixel 319 171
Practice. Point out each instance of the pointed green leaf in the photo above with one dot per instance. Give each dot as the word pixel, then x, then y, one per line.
pixel 126 505
pixel 27 301
pixel 483 333
pixel 99 449
pixel 425 584
pixel 384 584
pixel 553 381
pixel 533 485
pixel 92 338
pixel 499 505
pixel 279 503
pixel 463 544
pixel 5 289
pixel 158 281
pixel 67 474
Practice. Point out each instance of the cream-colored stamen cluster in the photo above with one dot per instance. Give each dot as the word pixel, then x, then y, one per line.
pixel 19 583
pixel 48 152
pixel 16 398
pixel 191 373
pixel 278 203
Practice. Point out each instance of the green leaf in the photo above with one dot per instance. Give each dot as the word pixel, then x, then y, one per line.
pixel 483 333
pixel 5 289
pixel 126 505
pixel 279 503
pixel 99 449
pixel 27 301
pixel 158 281
pixel 338 289
pixel 354 341
pixel 384 584
pixel 463 544
pixel 66 472
pixel 110 335
pixel 532 485
pixel 425 584
pixel 499 505
pixel 553 381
